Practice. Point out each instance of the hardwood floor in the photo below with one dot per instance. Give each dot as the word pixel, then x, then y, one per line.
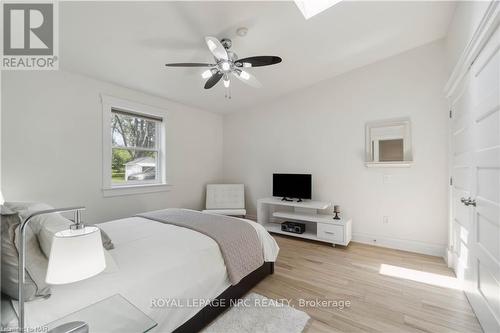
pixel 379 303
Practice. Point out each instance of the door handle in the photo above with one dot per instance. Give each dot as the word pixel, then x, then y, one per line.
pixel 468 201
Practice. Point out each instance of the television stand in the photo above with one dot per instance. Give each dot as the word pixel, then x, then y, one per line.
pixel 271 212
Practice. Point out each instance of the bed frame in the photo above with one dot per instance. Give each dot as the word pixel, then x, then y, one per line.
pixel 223 301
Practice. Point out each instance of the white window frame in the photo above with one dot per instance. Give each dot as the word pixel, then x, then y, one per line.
pixel 160 183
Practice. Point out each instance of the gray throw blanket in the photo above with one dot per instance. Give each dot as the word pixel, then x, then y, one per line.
pixel 238 241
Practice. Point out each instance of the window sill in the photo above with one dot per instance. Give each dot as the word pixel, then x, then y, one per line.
pixel 135 189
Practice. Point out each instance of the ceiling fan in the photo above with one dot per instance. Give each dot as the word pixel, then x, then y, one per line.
pixel 227 64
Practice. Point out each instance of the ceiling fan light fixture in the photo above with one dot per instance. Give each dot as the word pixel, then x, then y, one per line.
pixel 228 63
pixel 244 75
pixel 207 74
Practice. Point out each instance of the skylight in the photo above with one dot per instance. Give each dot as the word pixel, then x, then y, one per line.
pixel 310 8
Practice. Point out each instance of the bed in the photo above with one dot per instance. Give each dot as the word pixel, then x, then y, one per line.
pixel 154 261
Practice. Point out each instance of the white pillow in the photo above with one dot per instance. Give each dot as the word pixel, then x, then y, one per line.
pixel 36 262
pixel 47 225
pixel 25 209
pixel 44 226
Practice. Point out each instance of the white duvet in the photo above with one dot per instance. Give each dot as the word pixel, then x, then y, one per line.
pixel 153 260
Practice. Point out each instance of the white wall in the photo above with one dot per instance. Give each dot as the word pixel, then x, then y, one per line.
pixel 320 130
pixel 51 145
pixel 466 19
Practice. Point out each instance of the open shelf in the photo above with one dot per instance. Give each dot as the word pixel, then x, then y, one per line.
pixel 403 164
pixel 309 204
pixel 299 216
pixel 276 228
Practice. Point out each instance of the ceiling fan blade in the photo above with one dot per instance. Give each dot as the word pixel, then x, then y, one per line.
pixel 248 79
pixel 213 80
pixel 258 61
pixel 216 48
pixel 189 64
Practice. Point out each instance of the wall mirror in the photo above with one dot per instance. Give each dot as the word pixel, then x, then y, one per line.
pixel 388 143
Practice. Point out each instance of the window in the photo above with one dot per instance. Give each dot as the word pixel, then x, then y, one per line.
pixel 133 147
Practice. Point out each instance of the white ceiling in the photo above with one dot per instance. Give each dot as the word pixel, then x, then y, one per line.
pixel 128 43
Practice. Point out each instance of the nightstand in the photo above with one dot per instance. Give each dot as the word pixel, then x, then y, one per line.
pixel 112 314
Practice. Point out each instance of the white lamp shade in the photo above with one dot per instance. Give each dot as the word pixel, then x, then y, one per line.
pixel 75 255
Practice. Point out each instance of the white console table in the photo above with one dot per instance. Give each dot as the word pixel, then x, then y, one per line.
pixel 271 212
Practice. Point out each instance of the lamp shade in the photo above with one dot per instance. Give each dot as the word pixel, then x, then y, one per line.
pixel 75 255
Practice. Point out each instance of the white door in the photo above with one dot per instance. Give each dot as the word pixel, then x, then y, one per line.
pixel 476 175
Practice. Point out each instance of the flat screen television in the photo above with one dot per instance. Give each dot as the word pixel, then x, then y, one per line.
pixel 289 185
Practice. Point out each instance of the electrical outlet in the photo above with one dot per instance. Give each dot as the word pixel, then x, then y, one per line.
pixel 387 179
pixel 385 219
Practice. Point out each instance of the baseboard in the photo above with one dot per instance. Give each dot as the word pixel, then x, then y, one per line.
pixel 438 250
pixel 401 244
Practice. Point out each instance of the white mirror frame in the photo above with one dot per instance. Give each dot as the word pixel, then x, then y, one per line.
pixel 407 142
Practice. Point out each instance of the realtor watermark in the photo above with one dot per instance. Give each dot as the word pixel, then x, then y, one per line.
pixel 249 302
pixel 30 36
pixel 36 329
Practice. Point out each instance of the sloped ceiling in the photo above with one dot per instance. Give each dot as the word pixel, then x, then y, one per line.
pixel 128 43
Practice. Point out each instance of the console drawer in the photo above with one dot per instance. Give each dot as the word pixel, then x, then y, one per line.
pixel 333 233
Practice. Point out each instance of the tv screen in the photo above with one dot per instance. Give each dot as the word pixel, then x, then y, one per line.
pixel 288 185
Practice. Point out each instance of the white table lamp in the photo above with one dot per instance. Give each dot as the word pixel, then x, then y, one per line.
pixel 76 254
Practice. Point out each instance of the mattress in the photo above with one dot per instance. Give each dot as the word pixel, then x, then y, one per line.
pixel 153 260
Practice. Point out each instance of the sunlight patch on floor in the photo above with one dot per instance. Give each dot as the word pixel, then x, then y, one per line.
pixel 421 276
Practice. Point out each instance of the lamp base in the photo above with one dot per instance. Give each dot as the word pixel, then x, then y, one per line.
pixel 71 327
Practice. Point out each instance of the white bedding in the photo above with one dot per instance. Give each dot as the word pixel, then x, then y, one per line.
pixel 154 260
